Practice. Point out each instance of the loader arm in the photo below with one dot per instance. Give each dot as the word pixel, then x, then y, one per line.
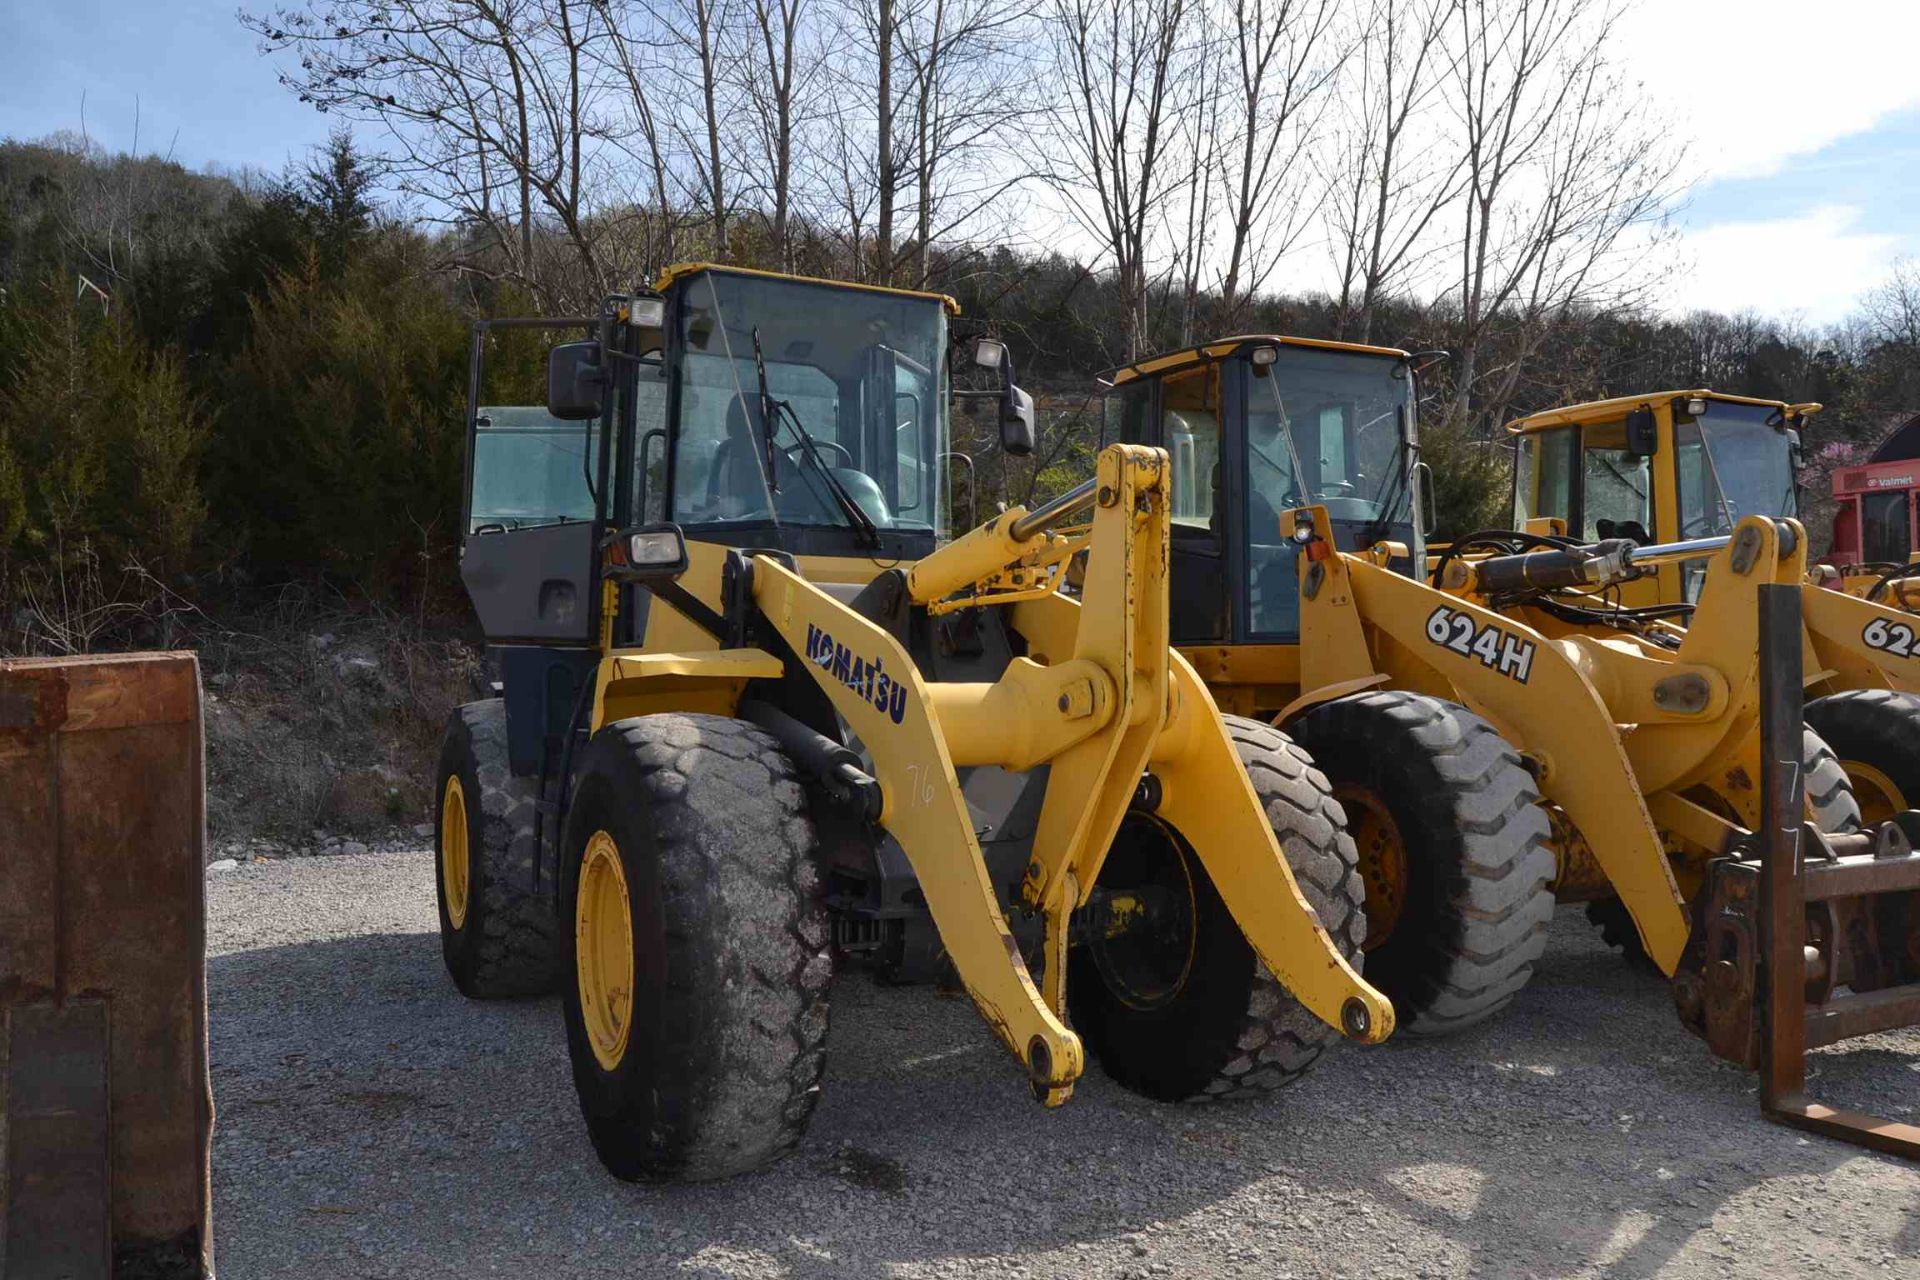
pixel 1094 704
pixel 1860 644
pixel 1358 618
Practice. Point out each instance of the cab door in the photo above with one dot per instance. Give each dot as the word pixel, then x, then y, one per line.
pixel 532 510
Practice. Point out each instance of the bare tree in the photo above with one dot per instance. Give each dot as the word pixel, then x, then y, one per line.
pixel 1122 64
pixel 775 79
pixel 1561 167
pixel 1202 152
pixel 628 55
pixel 673 56
pixel 1388 183
pixel 969 83
pixel 1892 309
pixel 490 107
pixel 1280 63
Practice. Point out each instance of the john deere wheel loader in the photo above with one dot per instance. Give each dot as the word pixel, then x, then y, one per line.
pixel 757 716
pixel 1491 756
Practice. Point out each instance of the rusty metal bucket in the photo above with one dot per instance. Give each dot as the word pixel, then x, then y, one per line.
pixel 106 1113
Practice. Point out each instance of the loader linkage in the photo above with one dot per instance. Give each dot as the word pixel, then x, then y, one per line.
pixel 1105 705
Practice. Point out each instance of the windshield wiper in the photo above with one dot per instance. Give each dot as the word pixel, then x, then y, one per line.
pixel 768 427
pixel 770 408
pixel 1713 471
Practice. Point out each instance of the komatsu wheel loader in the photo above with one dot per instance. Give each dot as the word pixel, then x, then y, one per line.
pixel 1493 752
pixel 758 717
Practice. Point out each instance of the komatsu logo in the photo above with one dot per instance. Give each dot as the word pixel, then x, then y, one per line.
pixel 866 679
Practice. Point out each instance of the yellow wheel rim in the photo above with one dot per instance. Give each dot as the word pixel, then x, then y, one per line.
pixel 603 950
pixel 455 865
pixel 1383 860
pixel 1876 793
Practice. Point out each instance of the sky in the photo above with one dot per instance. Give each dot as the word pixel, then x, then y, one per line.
pixel 1803 123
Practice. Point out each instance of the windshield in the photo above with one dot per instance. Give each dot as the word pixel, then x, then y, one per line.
pixel 1326 427
pixel 1729 464
pixel 856 384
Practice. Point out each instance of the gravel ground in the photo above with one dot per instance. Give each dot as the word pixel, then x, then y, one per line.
pixel 374 1124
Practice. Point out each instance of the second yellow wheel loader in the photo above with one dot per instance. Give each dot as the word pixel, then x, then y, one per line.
pixel 1494 752
pixel 758 717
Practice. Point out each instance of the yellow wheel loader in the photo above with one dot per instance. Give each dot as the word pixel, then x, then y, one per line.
pixel 1674 468
pixel 1667 466
pixel 758 717
pixel 1494 750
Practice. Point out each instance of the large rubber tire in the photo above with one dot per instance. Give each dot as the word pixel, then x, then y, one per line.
pixel 1830 803
pixel 730 966
pixel 499 938
pixel 1226 1027
pixel 1875 733
pixel 1473 861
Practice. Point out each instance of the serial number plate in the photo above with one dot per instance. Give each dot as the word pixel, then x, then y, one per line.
pixel 1896 638
pixel 1496 650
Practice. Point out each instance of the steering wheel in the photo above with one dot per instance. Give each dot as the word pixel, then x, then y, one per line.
pixel 795 450
pixel 1338 489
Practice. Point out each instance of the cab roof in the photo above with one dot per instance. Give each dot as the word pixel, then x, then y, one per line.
pixel 1175 361
pixel 686 270
pixel 1599 410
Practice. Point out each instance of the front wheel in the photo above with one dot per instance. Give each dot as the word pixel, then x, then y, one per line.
pixel 1453 846
pixel 696 999
pixel 1172 999
pixel 1875 733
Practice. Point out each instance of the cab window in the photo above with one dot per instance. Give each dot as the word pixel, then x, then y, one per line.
pixel 1544 476
pixel 1190 430
pixel 530 468
pixel 1616 487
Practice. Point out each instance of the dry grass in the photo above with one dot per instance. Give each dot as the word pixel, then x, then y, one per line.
pixel 322 716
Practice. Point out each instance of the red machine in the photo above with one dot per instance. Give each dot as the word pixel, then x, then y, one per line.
pixel 1875 519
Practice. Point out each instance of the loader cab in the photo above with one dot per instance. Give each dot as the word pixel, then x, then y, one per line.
pixel 1658 468
pixel 751 410
pixel 1256 426
pixel 748 410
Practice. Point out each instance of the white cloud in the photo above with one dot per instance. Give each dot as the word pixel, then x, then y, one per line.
pixel 1815 265
pixel 1756 82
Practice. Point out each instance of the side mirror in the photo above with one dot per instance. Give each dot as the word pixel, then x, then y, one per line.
pixel 1423 477
pixel 1796 451
pixel 1643 434
pixel 575 381
pixel 1016 423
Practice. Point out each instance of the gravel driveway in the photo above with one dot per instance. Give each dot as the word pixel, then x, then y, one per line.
pixel 372 1123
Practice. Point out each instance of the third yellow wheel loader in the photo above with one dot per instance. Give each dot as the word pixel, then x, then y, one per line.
pixel 759 717
pixel 1492 755
pixel 1673 468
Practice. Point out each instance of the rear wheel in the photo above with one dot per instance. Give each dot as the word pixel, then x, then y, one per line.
pixel 1875 734
pixel 1454 848
pixel 696 1002
pixel 497 904
pixel 1173 1002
